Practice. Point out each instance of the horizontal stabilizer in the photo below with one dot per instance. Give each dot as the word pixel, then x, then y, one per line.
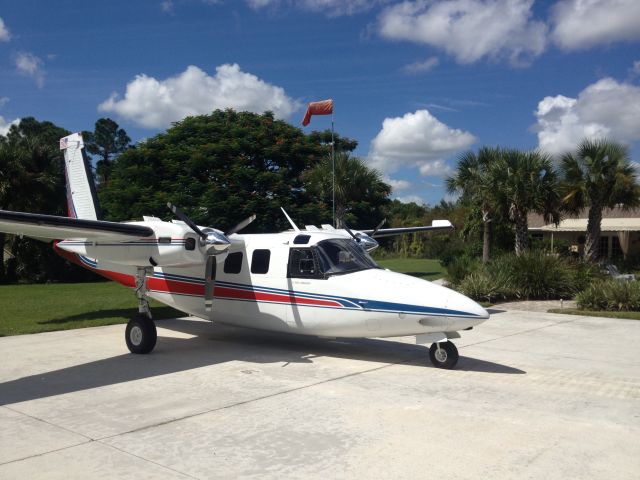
pixel 388 232
pixel 60 228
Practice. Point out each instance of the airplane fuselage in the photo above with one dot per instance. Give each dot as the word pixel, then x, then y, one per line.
pixel 275 282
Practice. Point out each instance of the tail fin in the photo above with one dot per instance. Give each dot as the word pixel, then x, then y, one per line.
pixel 82 199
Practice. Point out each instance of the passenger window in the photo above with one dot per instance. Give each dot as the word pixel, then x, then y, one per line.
pixel 302 264
pixel 260 261
pixel 233 263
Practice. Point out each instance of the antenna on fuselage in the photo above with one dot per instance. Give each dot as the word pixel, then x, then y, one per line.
pixel 295 227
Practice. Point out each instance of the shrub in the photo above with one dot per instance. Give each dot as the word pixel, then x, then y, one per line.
pixel 612 295
pixel 532 275
pixel 480 286
pixel 460 267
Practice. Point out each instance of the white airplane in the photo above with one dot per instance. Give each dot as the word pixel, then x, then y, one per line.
pixel 316 281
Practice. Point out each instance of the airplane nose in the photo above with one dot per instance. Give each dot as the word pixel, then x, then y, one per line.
pixel 467 307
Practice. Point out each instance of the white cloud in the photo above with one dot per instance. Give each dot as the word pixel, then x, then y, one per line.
pixel 166 6
pixel 635 68
pixel 436 168
pixel 579 24
pixel 3 101
pixel 5 35
pixel 416 140
pixel 412 198
pixel 5 126
pixel 422 66
pixel 30 66
pixel 606 108
pixel 469 30
pixel 397 185
pixel 156 103
pixel 332 8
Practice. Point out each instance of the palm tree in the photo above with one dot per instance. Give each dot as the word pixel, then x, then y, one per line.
pixel 355 183
pixel 526 182
pixel 598 175
pixel 473 179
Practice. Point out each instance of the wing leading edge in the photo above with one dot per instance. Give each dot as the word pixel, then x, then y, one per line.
pixel 388 232
pixel 58 228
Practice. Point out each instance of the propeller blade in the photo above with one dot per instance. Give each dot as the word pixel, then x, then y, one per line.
pixel 357 239
pixel 182 216
pixel 378 227
pixel 241 225
pixel 209 284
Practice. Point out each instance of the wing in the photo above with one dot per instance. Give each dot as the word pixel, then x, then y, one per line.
pixel 388 232
pixel 58 228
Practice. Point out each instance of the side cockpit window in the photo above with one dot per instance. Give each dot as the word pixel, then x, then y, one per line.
pixel 233 263
pixel 303 264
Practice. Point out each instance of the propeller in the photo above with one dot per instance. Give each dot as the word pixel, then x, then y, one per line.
pixel 356 238
pixel 215 243
pixel 365 241
pixel 378 227
pixel 241 225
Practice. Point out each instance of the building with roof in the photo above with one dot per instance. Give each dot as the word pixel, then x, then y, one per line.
pixel 620 232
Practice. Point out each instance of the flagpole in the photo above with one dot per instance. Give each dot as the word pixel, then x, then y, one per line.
pixel 333 163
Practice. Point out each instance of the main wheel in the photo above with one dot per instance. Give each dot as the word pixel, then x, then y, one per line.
pixel 444 357
pixel 141 334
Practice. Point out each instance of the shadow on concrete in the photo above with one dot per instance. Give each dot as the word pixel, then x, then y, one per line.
pixel 214 344
pixel 493 311
pixel 124 313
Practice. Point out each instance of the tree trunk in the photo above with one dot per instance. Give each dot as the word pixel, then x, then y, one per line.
pixel 593 234
pixel 522 233
pixel 486 240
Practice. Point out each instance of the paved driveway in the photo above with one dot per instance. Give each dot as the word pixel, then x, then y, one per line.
pixel 535 395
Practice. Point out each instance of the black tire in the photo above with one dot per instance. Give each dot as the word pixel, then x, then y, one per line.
pixel 448 356
pixel 141 334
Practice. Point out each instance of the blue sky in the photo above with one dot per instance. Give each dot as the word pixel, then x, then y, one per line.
pixel 415 82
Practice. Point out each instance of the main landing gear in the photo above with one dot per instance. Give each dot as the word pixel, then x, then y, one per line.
pixel 141 334
pixel 443 354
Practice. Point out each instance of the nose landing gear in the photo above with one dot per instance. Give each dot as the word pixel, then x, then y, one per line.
pixel 443 354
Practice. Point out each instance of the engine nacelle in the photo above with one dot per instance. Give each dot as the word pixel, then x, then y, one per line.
pixel 173 245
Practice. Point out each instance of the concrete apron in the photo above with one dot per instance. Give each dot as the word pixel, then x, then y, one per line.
pixel 534 395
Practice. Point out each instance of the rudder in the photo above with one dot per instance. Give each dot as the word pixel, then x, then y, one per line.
pixel 82 198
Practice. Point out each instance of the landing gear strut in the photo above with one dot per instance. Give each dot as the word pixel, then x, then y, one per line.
pixel 443 355
pixel 141 334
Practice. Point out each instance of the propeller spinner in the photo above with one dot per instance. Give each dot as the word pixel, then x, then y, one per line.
pixel 216 243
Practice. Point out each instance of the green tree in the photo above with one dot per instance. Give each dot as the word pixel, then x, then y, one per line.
pixel 106 142
pixel 219 168
pixel 526 182
pixel 360 192
pixel 598 175
pixel 475 180
pixel 32 180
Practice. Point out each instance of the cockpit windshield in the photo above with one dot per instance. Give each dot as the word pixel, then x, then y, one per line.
pixel 338 256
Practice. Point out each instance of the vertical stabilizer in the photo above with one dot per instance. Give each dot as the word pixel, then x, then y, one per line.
pixel 82 199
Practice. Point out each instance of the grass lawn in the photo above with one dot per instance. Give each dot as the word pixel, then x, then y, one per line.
pixel 43 308
pixel 590 313
pixel 416 267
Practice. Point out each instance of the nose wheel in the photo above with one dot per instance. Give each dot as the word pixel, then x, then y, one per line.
pixel 443 355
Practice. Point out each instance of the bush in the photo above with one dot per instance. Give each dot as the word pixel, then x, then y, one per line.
pixel 532 275
pixel 460 267
pixel 612 295
pixel 480 286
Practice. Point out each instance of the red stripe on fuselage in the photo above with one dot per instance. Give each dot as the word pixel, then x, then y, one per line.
pixel 184 288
